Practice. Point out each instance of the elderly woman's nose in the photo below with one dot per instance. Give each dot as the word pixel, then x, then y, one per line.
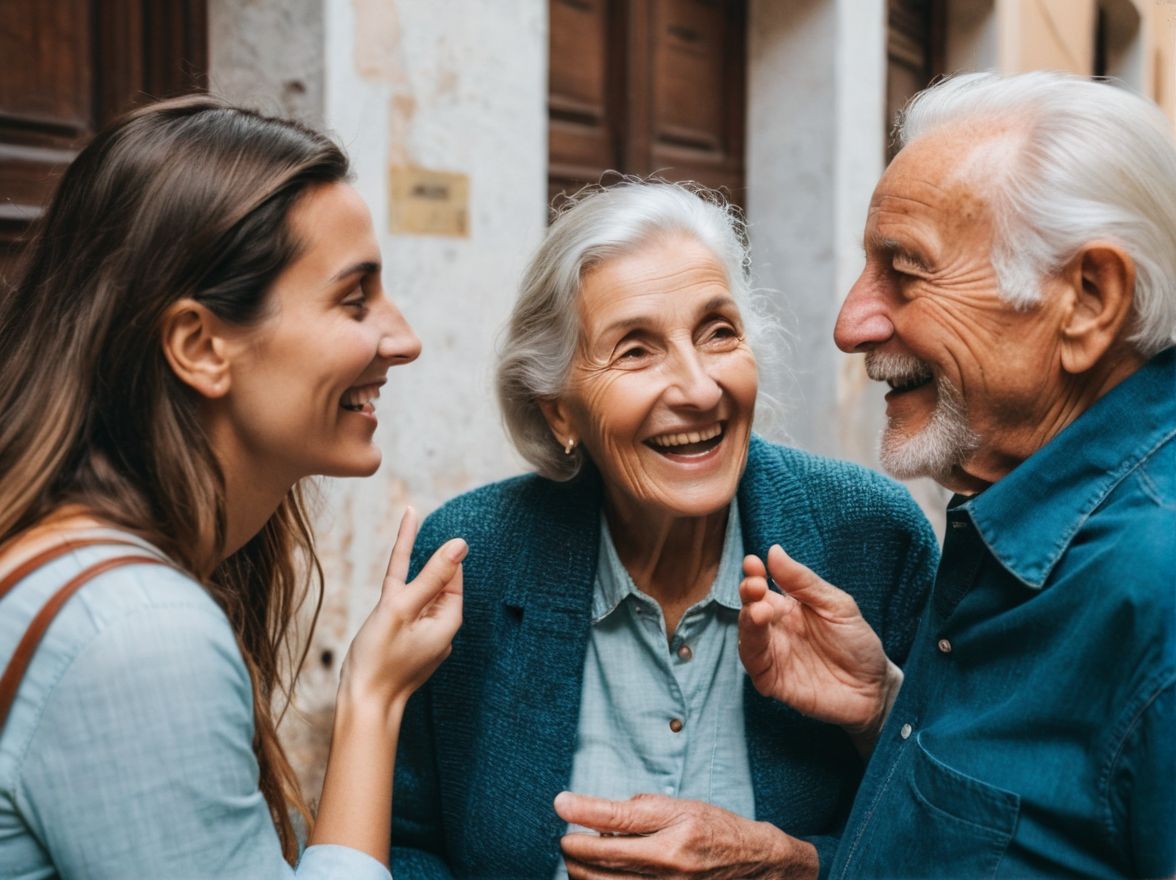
pixel 692 383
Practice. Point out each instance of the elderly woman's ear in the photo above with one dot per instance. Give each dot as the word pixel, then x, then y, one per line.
pixel 560 422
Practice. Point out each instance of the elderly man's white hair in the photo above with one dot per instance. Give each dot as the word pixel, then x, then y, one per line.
pixel 1091 161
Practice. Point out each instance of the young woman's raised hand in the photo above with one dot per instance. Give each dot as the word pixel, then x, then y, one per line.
pixel 408 633
pixel 404 639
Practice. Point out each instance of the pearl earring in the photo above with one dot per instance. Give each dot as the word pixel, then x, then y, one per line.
pixel 569 446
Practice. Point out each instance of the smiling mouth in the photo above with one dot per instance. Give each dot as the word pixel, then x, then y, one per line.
pixel 687 443
pixel 902 386
pixel 360 399
pixel 901 372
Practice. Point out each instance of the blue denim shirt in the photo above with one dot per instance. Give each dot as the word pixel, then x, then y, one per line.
pixel 664 715
pixel 1035 735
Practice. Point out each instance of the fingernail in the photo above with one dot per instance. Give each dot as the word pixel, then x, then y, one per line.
pixel 456 550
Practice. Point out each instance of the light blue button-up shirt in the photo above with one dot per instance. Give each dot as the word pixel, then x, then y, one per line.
pixel 127 753
pixel 664 716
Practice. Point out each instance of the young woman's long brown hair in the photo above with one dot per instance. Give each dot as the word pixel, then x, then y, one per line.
pixel 185 198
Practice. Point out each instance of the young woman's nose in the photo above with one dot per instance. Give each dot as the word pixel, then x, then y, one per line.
pixel 864 320
pixel 399 344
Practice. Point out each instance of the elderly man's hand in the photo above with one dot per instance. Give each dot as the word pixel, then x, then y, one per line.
pixel 812 649
pixel 651 835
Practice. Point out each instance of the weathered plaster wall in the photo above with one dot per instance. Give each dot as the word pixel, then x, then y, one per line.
pixel 410 84
pixel 418 83
pixel 815 149
pixel 268 54
pixel 1046 35
pixel 1160 57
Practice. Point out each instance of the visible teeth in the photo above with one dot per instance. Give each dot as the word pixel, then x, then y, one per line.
pixel 682 439
pixel 357 398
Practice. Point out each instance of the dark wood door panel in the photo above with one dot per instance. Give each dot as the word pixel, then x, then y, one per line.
pixel 46 58
pixel 67 68
pixel 647 86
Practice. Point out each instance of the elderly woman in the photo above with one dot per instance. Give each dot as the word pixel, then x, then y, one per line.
pixel 600 649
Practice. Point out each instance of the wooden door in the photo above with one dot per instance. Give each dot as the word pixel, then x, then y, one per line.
pixel 647 87
pixel 68 67
pixel 914 55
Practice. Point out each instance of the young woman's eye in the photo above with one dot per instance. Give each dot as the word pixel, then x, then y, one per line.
pixel 356 300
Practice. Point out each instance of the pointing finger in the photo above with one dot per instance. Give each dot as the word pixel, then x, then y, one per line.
pixel 402 549
pixel 441 573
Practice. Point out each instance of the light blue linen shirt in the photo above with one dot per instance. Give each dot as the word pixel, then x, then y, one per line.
pixel 127 752
pixel 664 715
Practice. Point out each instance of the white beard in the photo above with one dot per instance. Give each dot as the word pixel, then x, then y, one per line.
pixel 945 442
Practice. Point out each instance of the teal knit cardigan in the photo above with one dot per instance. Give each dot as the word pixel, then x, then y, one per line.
pixel 488 742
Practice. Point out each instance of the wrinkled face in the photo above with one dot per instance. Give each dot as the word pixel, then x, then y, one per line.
pixel 662 390
pixel 305 379
pixel 974 382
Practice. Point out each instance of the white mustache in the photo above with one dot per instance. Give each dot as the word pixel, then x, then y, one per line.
pixel 898 369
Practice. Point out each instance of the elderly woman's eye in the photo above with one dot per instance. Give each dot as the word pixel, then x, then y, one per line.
pixel 721 332
pixel 633 352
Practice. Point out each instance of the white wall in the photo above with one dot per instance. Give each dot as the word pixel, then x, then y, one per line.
pixel 815 150
pixel 268 54
pixel 420 83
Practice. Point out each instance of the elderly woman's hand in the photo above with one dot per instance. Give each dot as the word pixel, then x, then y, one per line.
pixel 811 648
pixel 651 835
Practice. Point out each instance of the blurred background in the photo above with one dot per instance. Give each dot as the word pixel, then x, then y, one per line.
pixel 466 119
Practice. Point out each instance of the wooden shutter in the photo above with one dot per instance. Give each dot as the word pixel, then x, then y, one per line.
pixel 647 86
pixel 68 67
pixel 914 55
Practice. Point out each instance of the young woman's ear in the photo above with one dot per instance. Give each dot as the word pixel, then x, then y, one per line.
pixel 194 348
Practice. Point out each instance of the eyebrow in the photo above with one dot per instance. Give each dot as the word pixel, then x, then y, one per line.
pixel 894 249
pixel 366 267
pixel 626 324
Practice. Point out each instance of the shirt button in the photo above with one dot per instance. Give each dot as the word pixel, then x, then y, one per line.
pixel 675 724
pixel 905 731
pixel 944 646
pixel 684 652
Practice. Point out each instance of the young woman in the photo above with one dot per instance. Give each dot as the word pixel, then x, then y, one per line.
pixel 199 326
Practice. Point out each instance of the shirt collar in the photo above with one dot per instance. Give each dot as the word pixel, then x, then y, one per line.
pixel 613 583
pixel 1028 518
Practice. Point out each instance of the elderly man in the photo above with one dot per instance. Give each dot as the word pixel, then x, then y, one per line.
pixel 1019 298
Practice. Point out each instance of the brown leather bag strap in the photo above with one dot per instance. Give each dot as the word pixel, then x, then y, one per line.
pixel 46 556
pixel 23 655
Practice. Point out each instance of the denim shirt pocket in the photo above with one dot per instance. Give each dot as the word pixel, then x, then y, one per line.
pixel 944 823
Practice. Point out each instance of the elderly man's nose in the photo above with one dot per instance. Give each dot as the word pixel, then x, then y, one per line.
pixel 864 320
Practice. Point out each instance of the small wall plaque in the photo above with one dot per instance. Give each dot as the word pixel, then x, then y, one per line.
pixel 424 202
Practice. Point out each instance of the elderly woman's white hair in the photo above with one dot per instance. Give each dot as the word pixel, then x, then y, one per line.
pixel 1091 161
pixel 597 224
